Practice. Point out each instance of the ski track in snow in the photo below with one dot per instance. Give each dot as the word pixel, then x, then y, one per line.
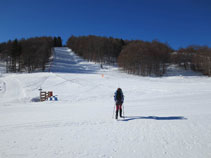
pixel 165 117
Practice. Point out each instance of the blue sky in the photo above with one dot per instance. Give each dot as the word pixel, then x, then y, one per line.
pixel 177 22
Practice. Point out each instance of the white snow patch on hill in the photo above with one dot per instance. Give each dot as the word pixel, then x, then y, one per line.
pixel 165 117
pixel 66 61
pixel 2 67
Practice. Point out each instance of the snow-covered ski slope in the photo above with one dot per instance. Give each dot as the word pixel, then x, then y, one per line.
pixel 168 117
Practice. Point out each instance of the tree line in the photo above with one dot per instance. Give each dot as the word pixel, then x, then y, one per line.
pixel 141 57
pixel 136 57
pixel 196 58
pixel 133 56
pixel 28 55
pixel 145 58
pixel 95 48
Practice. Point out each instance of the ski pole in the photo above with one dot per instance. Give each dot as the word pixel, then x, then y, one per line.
pixel 123 111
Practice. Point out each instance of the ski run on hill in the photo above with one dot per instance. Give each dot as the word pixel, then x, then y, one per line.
pixel 165 117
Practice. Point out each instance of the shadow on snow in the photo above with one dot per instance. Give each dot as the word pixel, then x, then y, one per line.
pixel 130 118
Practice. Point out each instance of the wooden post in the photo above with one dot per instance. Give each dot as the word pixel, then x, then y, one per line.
pixel 43 96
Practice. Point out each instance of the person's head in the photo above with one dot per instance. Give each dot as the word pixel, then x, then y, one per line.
pixel 119 89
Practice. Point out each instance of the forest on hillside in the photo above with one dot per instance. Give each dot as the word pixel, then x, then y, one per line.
pixel 141 57
pixel 132 56
pixel 28 55
pixel 196 58
pixel 135 57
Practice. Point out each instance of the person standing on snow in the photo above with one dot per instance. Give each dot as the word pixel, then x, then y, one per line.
pixel 119 99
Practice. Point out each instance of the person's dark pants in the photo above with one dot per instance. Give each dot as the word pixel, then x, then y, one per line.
pixel 118 109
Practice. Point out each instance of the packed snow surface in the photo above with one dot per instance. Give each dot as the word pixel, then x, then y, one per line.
pixel 167 117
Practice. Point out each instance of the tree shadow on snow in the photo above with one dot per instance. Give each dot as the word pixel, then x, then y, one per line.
pixel 130 118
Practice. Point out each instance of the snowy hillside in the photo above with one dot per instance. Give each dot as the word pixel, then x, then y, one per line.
pixel 164 117
pixel 2 68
